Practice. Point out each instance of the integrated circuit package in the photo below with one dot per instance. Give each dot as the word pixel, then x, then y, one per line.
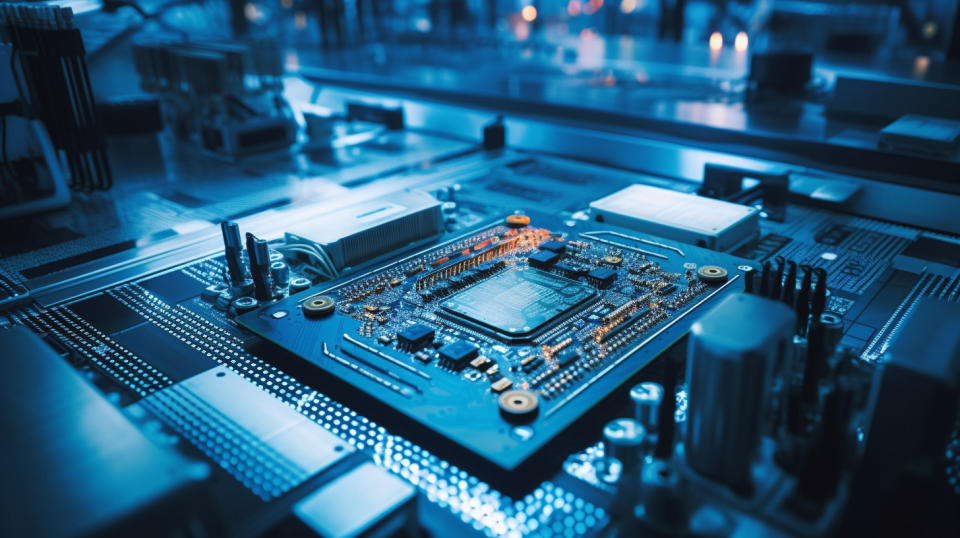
pixel 518 303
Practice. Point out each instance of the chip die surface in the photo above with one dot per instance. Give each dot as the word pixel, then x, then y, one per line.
pixel 518 303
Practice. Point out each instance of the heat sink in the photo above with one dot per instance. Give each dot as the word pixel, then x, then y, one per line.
pixel 361 232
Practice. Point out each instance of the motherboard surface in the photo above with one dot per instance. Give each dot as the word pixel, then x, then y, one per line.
pixel 482 343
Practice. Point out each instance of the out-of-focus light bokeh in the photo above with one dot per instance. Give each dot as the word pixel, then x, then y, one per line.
pixel 716 41
pixel 741 42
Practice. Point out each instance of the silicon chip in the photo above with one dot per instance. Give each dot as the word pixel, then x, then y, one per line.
pixel 602 277
pixel 414 337
pixel 569 270
pixel 543 259
pixel 518 303
pixel 555 246
pixel 456 355
pixel 107 313
pixel 174 287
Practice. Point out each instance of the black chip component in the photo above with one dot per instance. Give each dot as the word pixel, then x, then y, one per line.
pixel 602 277
pixel 667 290
pixel 543 259
pixel 457 355
pixel 107 313
pixel 518 303
pixel 414 337
pixel 174 287
pixel 567 357
pixel 171 356
pixel 553 246
pixel 569 270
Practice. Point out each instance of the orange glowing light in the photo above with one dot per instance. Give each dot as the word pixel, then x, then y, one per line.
pixel 741 42
pixel 529 13
pixel 920 66
pixel 626 6
pixel 573 8
pixel 716 41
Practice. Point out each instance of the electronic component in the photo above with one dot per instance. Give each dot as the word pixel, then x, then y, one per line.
pixel 481 363
pixel 729 369
pixel 517 303
pixel 245 304
pixel 570 270
pixel 622 440
pixel 517 221
pixel 456 355
pixel 469 355
pixel 241 80
pixel 914 411
pixel 921 134
pixel 279 274
pixel 55 88
pixel 685 217
pixel 259 257
pixel 543 259
pixel 355 234
pixel 318 306
pixel 335 510
pixel 126 478
pixel 553 246
pixel 232 408
pixel 233 250
pixel 415 337
pixel 501 385
pixel 712 273
pixel 299 284
pixel 646 399
pixel 602 277
pixel 518 405
pixel 499 326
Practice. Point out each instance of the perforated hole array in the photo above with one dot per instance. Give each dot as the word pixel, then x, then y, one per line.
pixel 209 272
pixel 256 465
pixel 109 356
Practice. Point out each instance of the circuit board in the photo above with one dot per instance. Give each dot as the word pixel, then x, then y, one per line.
pixel 491 345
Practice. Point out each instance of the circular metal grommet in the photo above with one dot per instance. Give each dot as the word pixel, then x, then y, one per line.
pixel 245 304
pixel 318 306
pixel 299 284
pixel 518 221
pixel 712 273
pixel 518 405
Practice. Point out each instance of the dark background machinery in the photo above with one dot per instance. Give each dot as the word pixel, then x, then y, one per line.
pixel 368 267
